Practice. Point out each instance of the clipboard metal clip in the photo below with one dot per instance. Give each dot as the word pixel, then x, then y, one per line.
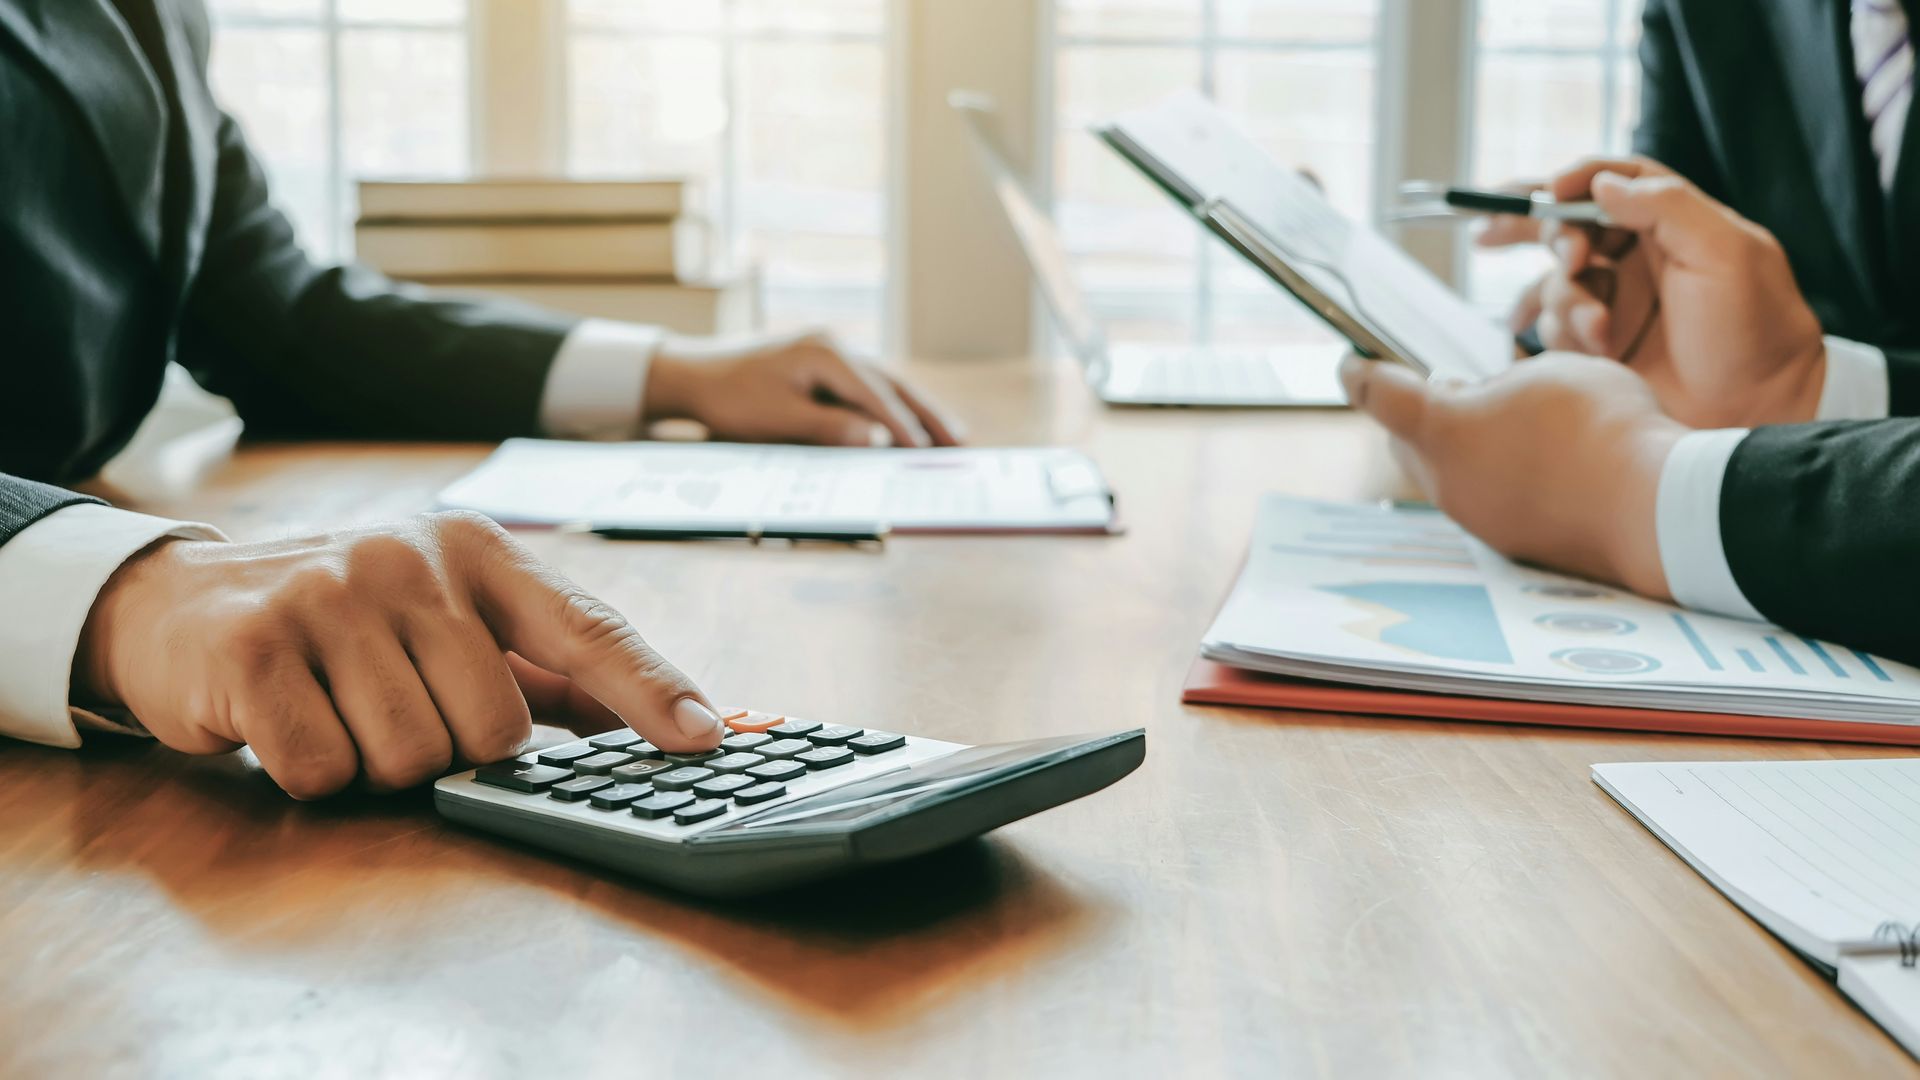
pixel 1071 478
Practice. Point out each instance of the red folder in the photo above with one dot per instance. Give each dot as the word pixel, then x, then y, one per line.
pixel 1210 683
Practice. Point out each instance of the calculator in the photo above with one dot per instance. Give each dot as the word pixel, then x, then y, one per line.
pixel 781 802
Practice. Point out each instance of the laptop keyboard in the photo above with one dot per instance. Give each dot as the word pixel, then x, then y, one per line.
pixel 1219 373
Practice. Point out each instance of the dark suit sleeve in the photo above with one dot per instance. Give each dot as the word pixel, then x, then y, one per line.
pixel 1821 523
pixel 306 350
pixel 23 502
pixel 1670 130
pixel 1903 382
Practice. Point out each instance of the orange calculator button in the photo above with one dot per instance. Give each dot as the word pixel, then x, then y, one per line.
pixel 751 721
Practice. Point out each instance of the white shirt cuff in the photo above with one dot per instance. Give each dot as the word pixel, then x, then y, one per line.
pixel 1687 520
pixel 50 574
pixel 1856 384
pixel 598 380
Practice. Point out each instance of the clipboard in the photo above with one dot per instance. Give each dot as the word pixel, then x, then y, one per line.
pixel 1365 288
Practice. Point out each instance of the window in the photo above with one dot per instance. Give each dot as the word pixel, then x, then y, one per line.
pixel 778 106
pixel 1299 74
pixel 784 110
pixel 332 90
pixel 1557 80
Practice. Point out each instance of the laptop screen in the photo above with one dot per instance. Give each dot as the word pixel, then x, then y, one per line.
pixel 1037 237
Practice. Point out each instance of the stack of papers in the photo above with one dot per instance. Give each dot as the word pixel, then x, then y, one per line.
pixel 1403 599
pixel 665 485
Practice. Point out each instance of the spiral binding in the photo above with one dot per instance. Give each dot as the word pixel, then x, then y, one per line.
pixel 1906 937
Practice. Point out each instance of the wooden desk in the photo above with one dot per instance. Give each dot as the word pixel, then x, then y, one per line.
pixel 1270 895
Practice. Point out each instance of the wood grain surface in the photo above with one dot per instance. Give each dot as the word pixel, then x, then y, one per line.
pixel 1269 895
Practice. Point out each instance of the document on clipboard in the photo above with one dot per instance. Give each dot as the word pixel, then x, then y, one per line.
pixel 659 487
pixel 1367 289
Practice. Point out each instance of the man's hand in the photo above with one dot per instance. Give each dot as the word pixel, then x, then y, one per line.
pixel 1601 298
pixel 1512 230
pixel 1730 341
pixel 386 653
pixel 798 388
pixel 1556 461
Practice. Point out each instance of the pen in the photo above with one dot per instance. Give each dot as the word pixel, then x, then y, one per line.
pixel 846 534
pixel 1538 205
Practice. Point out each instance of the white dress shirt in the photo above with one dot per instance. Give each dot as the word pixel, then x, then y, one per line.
pixel 52 571
pixel 1687 514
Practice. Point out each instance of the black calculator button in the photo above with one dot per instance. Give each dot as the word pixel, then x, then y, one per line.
pixel 777 770
pixel 601 764
pixel 700 811
pixel 564 755
pixel 834 736
pixel 524 776
pixel 578 788
pixel 628 740
pixel 826 757
pixel 721 786
pixel 784 748
pixel 745 740
pixel 644 769
pixel 661 803
pixel 694 759
pixel 792 729
pixel 681 779
pixel 877 742
pixel 759 793
pixel 735 763
pixel 619 795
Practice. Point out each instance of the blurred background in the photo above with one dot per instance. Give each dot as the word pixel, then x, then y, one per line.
pixel 795 115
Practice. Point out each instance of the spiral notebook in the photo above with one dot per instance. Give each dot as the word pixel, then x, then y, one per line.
pixel 1825 854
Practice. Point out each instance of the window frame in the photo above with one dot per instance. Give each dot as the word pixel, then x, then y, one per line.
pixel 332 27
pixel 1426 68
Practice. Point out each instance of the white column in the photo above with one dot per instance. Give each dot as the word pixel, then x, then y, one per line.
pixel 1425 122
pixel 518 87
pixel 960 287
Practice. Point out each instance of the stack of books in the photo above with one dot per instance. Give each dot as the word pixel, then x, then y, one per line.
pixel 635 250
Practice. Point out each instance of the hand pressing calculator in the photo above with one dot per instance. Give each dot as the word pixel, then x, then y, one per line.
pixel 782 801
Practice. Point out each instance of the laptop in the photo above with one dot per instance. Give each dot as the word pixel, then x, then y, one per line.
pixel 1146 374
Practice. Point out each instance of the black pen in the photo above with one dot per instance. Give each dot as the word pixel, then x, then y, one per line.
pixel 844 534
pixel 1538 204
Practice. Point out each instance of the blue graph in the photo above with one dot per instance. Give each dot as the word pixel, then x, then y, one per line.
pixel 1699 644
pixel 1449 622
pixel 1823 654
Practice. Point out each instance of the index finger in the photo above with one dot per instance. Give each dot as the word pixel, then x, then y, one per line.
pixel 1571 245
pixel 859 387
pixel 946 431
pixel 535 611
pixel 1506 230
pixel 1576 183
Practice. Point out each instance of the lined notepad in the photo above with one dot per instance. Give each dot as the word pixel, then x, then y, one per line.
pixel 1825 854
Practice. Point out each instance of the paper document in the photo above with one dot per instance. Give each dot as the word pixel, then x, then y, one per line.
pixel 1404 599
pixel 1825 854
pixel 656 484
pixel 1201 158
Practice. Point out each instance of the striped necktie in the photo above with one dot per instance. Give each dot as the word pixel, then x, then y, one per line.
pixel 1883 58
